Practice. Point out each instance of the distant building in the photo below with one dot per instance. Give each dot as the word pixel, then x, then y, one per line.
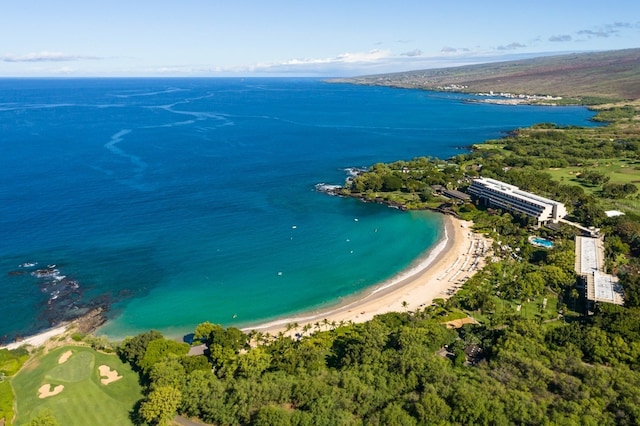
pixel 613 213
pixel 599 286
pixel 509 197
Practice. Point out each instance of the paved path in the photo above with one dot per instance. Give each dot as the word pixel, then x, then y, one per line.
pixel 183 421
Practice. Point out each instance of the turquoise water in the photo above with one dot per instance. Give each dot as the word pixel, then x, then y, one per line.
pixel 175 201
pixel 542 242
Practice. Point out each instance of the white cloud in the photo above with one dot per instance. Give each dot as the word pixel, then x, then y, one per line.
pixel 597 33
pixel 412 53
pixel 353 63
pixel 370 62
pixel 45 57
pixel 609 30
pixel 560 38
pixel 512 46
pixel 363 63
pixel 363 57
pixel 348 63
pixel 372 56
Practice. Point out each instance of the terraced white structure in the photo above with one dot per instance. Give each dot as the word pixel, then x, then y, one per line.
pixel 509 197
pixel 600 286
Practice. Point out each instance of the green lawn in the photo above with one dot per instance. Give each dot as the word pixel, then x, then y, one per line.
pixel 531 310
pixel 626 203
pixel 84 400
pixel 619 170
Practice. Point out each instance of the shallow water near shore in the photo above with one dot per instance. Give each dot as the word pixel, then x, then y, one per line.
pixel 178 201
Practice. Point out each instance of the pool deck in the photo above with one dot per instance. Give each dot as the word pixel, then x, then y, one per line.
pixel 547 243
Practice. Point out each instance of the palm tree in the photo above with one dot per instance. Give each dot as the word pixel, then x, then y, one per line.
pixel 574 297
pixel 257 336
pixel 306 328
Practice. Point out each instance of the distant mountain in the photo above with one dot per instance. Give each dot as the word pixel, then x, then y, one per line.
pixel 583 76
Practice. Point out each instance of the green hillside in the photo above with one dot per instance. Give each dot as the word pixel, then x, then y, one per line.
pixel 584 77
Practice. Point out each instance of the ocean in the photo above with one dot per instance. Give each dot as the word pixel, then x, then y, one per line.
pixel 178 201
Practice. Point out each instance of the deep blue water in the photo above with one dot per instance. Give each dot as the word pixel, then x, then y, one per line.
pixel 185 200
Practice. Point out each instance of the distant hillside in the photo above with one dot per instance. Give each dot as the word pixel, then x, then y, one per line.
pixel 609 75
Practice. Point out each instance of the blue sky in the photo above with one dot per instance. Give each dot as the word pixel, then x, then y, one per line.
pixel 297 37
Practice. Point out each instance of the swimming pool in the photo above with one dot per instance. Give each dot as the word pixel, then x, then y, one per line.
pixel 541 242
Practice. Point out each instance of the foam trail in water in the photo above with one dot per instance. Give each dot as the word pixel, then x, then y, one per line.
pixel 197 116
pixel 157 92
pixel 140 166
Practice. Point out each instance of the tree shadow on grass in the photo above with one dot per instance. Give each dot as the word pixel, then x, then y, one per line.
pixel 134 414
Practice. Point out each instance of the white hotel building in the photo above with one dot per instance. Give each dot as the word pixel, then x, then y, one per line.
pixel 509 197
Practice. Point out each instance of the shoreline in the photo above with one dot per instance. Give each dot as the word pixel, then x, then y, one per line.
pixel 438 274
pixel 86 323
pixel 39 339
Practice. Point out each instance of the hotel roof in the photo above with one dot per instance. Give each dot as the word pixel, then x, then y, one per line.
pixel 589 256
pixel 505 187
pixel 601 287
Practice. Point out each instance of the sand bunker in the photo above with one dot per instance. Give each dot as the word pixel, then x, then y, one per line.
pixel 45 390
pixel 64 357
pixel 108 374
pixel 460 322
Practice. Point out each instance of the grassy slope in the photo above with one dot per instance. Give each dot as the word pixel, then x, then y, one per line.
pixel 10 364
pixel 608 75
pixel 620 171
pixel 84 400
pixel 6 401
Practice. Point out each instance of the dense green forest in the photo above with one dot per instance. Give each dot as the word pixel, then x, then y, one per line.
pixel 390 371
pixel 533 356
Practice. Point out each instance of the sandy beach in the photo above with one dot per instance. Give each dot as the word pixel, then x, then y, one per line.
pixel 37 339
pixel 439 274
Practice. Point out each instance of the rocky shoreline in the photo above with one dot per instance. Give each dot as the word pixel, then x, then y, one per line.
pixel 62 300
pixel 339 191
pixel 89 322
pixel 85 324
